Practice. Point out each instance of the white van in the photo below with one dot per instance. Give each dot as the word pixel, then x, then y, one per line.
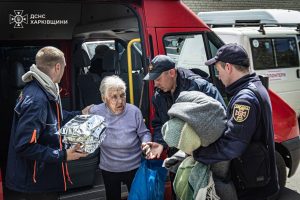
pixel 271 38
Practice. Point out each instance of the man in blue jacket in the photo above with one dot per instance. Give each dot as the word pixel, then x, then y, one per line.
pixel 169 82
pixel 36 167
pixel 248 121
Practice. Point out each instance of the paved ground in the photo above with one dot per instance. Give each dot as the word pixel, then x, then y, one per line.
pixel 290 192
pixel 292 189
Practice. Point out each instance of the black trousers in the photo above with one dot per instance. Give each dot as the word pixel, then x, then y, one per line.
pixel 113 180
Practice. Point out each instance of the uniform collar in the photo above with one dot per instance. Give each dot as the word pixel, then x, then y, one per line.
pixel 239 84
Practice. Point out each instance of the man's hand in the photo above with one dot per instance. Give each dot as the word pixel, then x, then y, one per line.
pixel 146 150
pixel 156 150
pixel 74 154
pixel 86 110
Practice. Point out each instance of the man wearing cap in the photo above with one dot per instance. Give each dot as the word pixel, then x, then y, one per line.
pixel 249 120
pixel 169 82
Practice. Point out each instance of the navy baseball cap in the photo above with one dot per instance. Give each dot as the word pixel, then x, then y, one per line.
pixel 159 64
pixel 231 53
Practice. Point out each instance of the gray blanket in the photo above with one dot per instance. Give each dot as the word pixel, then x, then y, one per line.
pixel 203 113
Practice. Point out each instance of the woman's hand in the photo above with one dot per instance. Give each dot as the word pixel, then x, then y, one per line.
pixel 86 110
pixel 146 150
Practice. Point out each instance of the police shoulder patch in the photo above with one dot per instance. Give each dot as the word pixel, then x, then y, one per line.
pixel 240 112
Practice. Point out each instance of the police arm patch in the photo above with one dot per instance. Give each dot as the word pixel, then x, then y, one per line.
pixel 240 112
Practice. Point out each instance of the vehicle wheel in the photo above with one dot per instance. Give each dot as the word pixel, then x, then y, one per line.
pixel 281 168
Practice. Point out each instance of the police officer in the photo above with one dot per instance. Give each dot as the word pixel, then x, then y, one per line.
pixel 245 113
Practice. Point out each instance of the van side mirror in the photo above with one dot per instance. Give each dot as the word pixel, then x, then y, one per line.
pixel 264 80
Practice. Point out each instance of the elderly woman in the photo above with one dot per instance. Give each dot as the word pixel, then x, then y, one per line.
pixel 126 133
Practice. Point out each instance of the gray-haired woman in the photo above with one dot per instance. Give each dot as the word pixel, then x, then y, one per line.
pixel 126 133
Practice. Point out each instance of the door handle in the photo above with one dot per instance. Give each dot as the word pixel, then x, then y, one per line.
pixel 298 73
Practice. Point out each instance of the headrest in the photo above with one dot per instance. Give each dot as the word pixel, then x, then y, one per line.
pixel 16 73
pixel 110 61
pixel 100 50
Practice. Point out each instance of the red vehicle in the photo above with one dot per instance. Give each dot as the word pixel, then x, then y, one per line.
pixel 135 31
pixel 1 187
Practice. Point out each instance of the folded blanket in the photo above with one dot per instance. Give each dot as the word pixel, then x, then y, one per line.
pixel 194 180
pixel 179 134
pixel 183 190
pixel 204 114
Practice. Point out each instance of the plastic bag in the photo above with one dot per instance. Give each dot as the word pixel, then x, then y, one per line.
pixel 149 181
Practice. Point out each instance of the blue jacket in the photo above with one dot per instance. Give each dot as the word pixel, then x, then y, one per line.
pixel 243 126
pixel 34 158
pixel 162 101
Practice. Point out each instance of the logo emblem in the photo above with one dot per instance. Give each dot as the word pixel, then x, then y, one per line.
pixel 18 19
pixel 240 112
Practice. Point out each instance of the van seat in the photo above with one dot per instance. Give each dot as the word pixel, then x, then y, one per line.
pixel 137 77
pixel 110 63
pixel 88 87
pixel 97 60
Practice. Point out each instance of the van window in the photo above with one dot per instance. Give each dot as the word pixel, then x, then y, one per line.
pixel 269 53
pixel 188 51
pixel 90 47
pixel 173 45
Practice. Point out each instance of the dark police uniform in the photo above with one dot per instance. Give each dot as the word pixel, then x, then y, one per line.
pixel 244 126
